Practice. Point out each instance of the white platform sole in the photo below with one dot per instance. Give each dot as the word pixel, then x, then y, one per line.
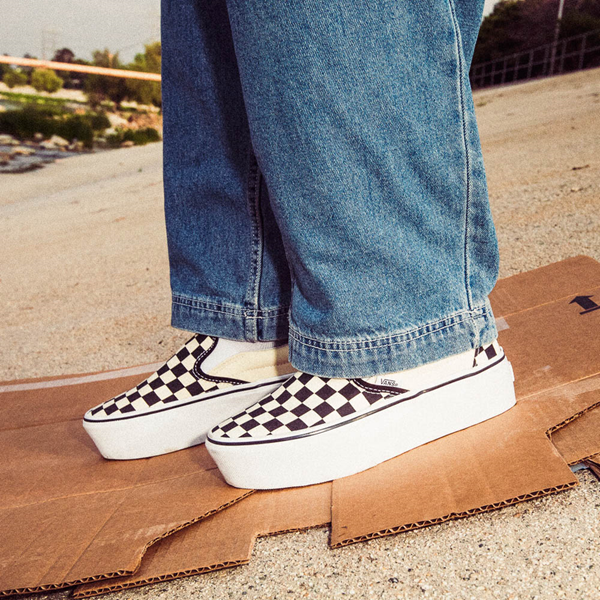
pixel 174 427
pixel 369 440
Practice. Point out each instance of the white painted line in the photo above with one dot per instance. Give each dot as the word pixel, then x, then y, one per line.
pixel 38 385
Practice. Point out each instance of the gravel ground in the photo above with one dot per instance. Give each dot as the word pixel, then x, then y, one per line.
pixel 84 274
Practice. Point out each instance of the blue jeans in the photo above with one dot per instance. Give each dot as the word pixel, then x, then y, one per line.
pixel 324 179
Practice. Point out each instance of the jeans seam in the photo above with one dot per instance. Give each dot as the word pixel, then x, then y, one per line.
pixel 256 250
pixel 461 75
pixel 239 311
pixel 405 336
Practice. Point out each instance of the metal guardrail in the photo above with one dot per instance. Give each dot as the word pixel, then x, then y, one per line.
pixel 569 54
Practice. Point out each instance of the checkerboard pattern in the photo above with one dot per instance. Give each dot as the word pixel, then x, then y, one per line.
pixel 180 378
pixel 305 401
pixel 302 401
pixel 484 355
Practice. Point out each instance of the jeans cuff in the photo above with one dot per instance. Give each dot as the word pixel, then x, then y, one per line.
pixel 456 333
pixel 230 321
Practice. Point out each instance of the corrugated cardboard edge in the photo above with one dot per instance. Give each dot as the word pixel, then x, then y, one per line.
pixel 489 507
pixel 116 586
pixel 454 516
pixel 121 573
pixel 316 499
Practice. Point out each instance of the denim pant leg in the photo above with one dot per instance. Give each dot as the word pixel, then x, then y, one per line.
pixel 362 121
pixel 229 275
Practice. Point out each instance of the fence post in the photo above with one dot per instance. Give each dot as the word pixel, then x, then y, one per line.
pixel 562 56
pixel 530 65
pixel 582 51
pixel 546 69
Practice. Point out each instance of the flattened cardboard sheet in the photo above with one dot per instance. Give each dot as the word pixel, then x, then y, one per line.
pixel 500 462
pixel 66 514
pixel 87 519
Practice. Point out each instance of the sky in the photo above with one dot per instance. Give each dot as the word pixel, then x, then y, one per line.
pixel 41 26
pixel 81 25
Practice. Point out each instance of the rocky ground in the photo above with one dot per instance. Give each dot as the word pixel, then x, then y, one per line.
pixel 17 156
pixel 84 277
pixel 21 156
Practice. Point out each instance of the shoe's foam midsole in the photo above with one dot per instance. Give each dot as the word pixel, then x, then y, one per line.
pixel 154 433
pixel 365 442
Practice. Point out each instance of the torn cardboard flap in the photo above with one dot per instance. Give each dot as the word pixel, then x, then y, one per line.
pixel 68 516
pixel 579 440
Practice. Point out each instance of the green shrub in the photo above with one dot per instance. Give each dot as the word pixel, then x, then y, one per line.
pixel 139 137
pixel 13 78
pixel 27 122
pixel 99 122
pixel 45 80
pixel 76 127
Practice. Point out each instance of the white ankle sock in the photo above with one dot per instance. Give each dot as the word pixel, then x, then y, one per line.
pixel 227 348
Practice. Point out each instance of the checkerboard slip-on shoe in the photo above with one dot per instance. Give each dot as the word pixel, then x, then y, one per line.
pixel 313 429
pixel 208 380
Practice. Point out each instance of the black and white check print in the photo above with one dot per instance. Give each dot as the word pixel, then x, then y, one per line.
pixel 305 401
pixel 484 355
pixel 180 378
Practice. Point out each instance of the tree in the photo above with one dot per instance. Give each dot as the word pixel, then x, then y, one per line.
pixel 101 87
pixel 146 92
pixel 64 55
pixel 45 80
pixel 14 78
pixel 499 34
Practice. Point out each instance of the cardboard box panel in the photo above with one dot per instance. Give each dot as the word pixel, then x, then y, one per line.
pixel 502 461
pixel 56 460
pixel 555 351
pixel 546 284
pixel 42 401
pixel 552 345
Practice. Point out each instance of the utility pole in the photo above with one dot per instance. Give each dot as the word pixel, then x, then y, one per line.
pixel 561 6
pixel 154 19
pixel 49 43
